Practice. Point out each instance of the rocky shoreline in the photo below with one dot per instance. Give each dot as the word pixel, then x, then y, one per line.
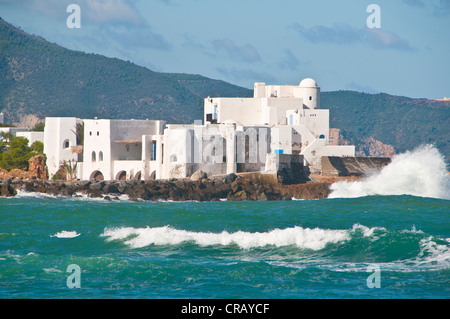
pixel 230 187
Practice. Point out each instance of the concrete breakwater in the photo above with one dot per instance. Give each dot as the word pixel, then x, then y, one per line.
pixel 231 187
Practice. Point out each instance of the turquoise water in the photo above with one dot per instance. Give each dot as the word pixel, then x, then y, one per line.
pixel 324 248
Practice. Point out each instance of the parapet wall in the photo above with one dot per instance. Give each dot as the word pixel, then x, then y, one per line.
pixel 352 166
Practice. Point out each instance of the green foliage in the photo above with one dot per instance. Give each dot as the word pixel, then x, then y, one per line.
pixel 79 132
pixel 39 127
pixel 37 147
pixel 402 122
pixel 70 168
pixel 47 80
pixel 16 154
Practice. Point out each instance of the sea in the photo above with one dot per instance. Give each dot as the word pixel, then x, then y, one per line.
pixel 384 237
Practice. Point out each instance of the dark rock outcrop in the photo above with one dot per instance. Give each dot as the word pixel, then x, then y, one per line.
pixel 230 187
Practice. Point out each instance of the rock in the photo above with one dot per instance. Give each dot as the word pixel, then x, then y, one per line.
pixel 83 184
pixel 240 184
pixel 229 178
pixel 198 175
pixel 111 188
pixel 97 186
pixel 240 195
pixel 38 167
pixel 7 190
pixel 123 187
pixel 95 194
pixel 139 192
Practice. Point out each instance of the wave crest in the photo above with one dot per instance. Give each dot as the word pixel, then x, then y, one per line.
pixel 307 238
pixel 421 172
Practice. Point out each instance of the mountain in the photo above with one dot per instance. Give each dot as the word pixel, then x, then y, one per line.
pixel 399 121
pixel 44 79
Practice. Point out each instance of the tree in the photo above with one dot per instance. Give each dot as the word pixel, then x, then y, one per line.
pixel 70 168
pixel 79 132
pixel 39 127
pixel 16 154
pixel 37 147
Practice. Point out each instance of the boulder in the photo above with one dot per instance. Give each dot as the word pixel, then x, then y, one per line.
pixel 229 178
pixel 139 192
pixel 7 190
pixel 198 175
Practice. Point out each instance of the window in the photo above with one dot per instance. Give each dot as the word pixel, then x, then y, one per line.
pixel 93 157
pixel 310 98
pixel 173 158
pixel 100 156
pixel 90 133
pixel 66 144
pixel 153 150
pixel 322 136
pixel 98 133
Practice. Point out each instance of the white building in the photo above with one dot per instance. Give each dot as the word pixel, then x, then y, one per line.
pixel 59 137
pixel 238 135
pixel 121 149
pixel 297 124
pixel 13 131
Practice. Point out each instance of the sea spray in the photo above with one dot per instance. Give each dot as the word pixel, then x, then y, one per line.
pixel 420 172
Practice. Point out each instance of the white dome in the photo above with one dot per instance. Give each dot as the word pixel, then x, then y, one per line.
pixel 308 83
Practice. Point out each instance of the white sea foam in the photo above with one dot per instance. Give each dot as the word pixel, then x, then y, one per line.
pixel 306 238
pixel 420 172
pixel 66 234
pixel 21 193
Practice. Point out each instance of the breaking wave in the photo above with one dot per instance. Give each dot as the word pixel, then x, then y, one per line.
pixel 402 250
pixel 421 172
pixel 66 234
pixel 307 238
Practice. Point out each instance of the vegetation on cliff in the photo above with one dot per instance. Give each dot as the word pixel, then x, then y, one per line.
pixel 15 152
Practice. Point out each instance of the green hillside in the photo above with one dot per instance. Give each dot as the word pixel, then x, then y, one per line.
pixel 45 79
pixel 398 121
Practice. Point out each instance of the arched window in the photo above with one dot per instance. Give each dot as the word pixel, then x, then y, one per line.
pixel 66 144
pixel 322 136
pixel 100 156
pixel 93 157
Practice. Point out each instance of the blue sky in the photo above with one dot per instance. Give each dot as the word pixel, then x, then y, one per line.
pixel 247 41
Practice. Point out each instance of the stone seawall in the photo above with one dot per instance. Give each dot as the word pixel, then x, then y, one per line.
pixel 231 187
pixel 352 166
